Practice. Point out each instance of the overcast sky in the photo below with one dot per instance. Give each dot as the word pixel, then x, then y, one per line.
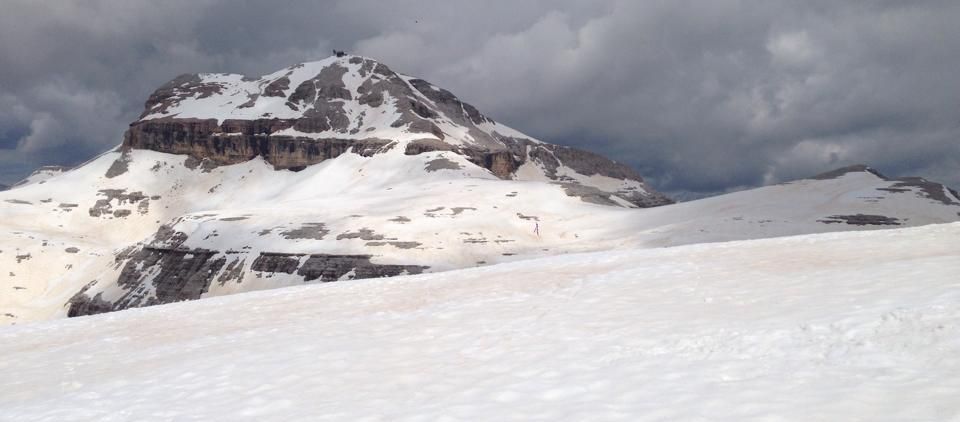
pixel 701 96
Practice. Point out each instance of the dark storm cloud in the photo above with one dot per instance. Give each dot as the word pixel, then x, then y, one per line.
pixel 700 96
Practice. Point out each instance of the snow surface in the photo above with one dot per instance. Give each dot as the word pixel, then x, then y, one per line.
pixel 827 327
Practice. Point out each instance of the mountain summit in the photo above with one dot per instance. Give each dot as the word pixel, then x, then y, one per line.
pixel 314 111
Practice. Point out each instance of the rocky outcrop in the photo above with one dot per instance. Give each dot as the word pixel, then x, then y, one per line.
pixel 237 141
pixel 157 275
pixel 862 220
pixel 163 270
pixel 329 267
pixel 515 152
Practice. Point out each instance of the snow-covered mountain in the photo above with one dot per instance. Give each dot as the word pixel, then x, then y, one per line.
pixel 342 169
pixel 826 327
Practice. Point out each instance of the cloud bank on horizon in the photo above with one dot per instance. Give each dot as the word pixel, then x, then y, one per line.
pixel 702 97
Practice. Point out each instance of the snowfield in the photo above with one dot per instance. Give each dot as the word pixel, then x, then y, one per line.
pixel 54 239
pixel 831 327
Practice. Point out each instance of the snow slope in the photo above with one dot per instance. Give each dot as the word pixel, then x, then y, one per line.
pixel 80 226
pixel 827 327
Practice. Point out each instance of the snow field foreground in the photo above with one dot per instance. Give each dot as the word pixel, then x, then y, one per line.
pixel 836 326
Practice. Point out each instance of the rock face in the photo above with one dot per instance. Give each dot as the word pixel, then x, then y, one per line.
pixel 154 276
pixel 165 271
pixel 312 112
pixel 205 140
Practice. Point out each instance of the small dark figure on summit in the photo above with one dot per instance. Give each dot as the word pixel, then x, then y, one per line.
pixel 339 53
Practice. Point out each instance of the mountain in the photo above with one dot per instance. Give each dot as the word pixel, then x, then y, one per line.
pixel 343 169
pixel 826 327
pixel 311 112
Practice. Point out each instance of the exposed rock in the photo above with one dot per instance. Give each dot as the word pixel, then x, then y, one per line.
pixel 325 267
pixel 931 190
pixel 421 146
pixel 119 166
pixel 277 87
pixel 276 262
pixel 314 231
pixel 232 272
pixel 588 194
pixel 442 164
pixel 181 87
pixel 862 220
pixel 398 244
pixel 199 139
pixel 459 210
pixel 177 274
pixel 121 197
pixel 450 105
pixel 81 304
pixel 363 234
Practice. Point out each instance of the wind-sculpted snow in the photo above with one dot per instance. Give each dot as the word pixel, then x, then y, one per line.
pixel 828 327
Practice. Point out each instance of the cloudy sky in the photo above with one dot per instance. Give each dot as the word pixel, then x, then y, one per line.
pixel 702 96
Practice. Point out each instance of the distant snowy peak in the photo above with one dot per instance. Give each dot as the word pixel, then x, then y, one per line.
pixel 918 185
pixel 315 111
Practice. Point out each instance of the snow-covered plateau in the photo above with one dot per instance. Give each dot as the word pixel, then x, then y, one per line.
pixel 825 327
